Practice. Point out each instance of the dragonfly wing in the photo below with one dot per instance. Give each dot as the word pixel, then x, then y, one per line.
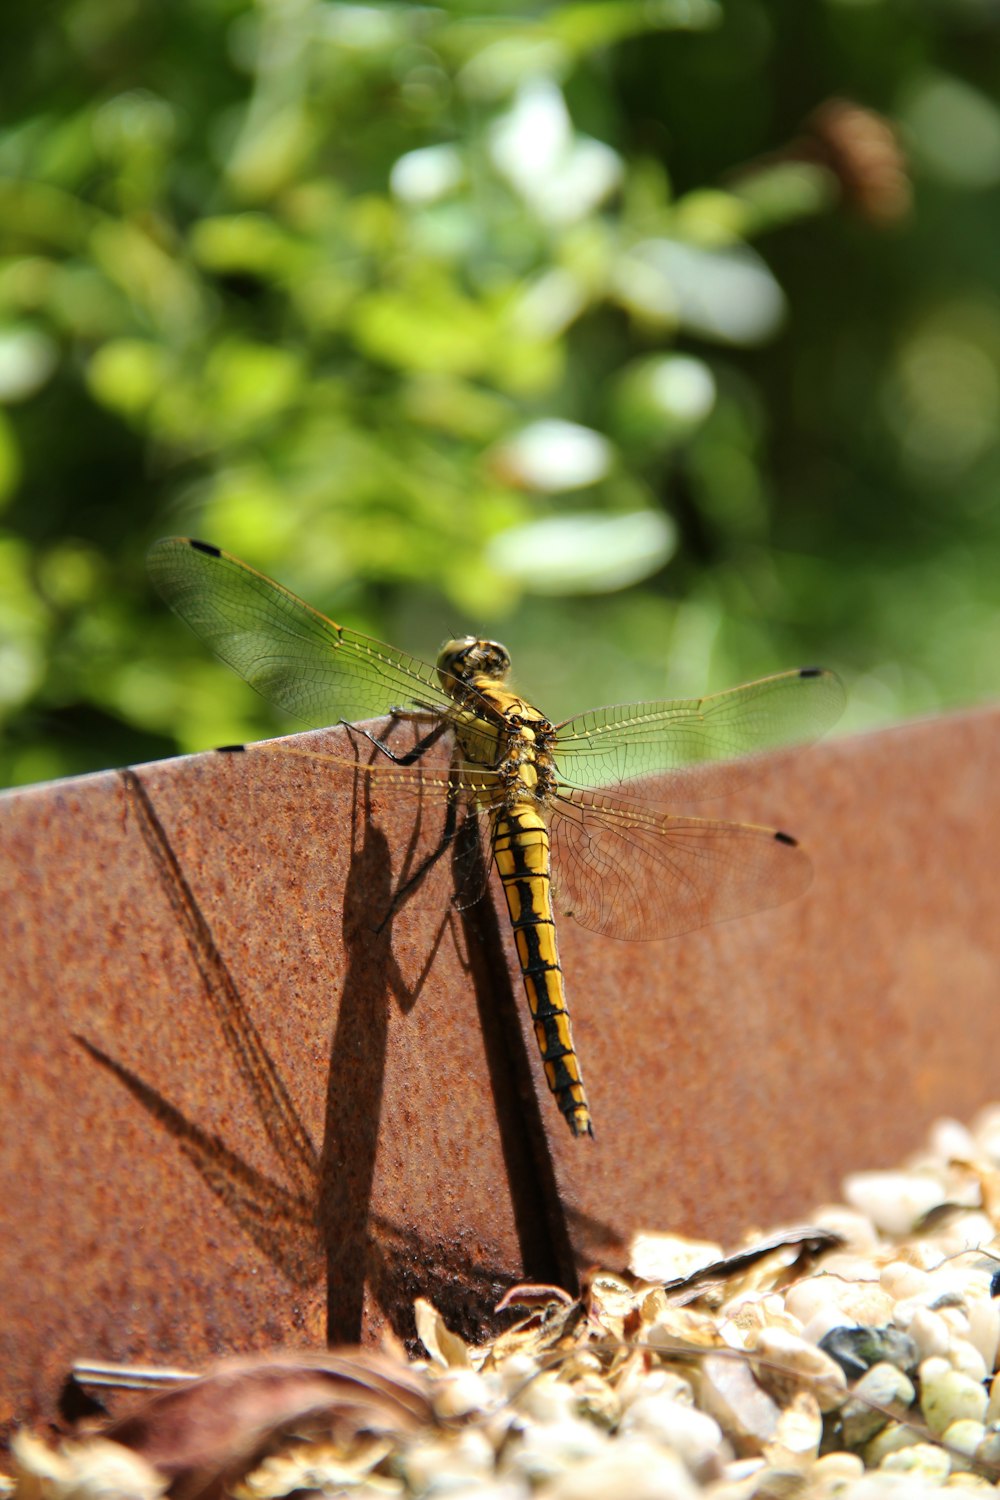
pixel 709 745
pixel 294 656
pixel 448 815
pixel 472 854
pixel 630 871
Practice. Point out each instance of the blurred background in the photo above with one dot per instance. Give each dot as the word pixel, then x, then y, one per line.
pixel 658 338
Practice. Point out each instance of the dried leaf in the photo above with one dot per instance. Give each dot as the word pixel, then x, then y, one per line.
pixel 533 1295
pixel 312 1466
pixel 207 1434
pixel 91 1470
pixel 678 1330
pixel 444 1347
pixel 806 1241
pixel 611 1303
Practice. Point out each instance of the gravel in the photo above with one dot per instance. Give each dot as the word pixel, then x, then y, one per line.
pixel 853 1357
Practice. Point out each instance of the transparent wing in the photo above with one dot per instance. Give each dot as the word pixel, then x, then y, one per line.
pixel 711 745
pixel 629 871
pixel 452 818
pixel 294 656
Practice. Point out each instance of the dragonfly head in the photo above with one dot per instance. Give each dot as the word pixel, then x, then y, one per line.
pixel 469 658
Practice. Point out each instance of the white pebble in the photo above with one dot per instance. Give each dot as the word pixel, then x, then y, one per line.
pixel 693 1435
pixel 866 1304
pixel 824 1320
pixel 894 1201
pixel 953 1285
pixel 988 1452
pixel 730 1393
pixel 637 1383
pixel 551 1448
pixel 457 1392
pixel 639 1472
pixel 892 1439
pixel 857 1230
pixel 859 1299
pixel 984 1327
pixel 922 1460
pixel 950 1396
pixel 547 1399
pixel 668 1257
pixel 799 1431
pixel 986 1131
pixel 963 1437
pixel 806 1297
pixel 738 1472
pixel 967 1358
pixel 515 1371
pixel 848 1265
pixel 969 1231
pixel 439 1466
pixel 449 1488
pixel 927 1329
pixel 901 1280
pixel 874 1398
pixel 957 1319
pixel 789 1363
pixel 951 1141
pixel 837 1468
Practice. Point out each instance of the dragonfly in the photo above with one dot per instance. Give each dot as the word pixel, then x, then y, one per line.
pixel 572 815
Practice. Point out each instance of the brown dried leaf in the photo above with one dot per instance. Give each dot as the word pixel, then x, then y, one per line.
pixel 207 1434
pixel 534 1295
pixel 612 1304
pixel 444 1347
pixel 805 1241
pixel 678 1330
pixel 534 1337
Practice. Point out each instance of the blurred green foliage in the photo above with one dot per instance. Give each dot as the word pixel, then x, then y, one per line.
pixel 554 322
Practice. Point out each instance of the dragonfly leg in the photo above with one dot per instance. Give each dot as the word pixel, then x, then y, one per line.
pixel 419 749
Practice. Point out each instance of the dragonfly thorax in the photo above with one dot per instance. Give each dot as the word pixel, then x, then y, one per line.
pixel 468 658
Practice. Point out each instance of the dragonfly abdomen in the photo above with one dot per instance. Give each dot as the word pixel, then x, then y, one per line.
pixel 521 851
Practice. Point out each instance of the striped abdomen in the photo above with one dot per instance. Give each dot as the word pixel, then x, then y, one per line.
pixel 521 850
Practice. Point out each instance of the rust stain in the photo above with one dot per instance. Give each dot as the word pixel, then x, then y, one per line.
pixel 256 1104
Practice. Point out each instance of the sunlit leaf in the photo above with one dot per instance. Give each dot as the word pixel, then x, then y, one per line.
pixel 554 455
pixel 584 553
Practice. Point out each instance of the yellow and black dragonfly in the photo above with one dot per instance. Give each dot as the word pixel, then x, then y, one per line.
pixel 575 807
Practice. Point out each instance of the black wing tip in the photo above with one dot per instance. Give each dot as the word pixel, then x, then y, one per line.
pixel 205 547
pixel 786 838
pixel 229 749
pixel 812 672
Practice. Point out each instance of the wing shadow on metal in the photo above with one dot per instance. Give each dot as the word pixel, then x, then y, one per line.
pixel 319 1222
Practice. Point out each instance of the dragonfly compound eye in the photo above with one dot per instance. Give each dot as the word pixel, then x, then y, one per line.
pixel 470 657
pixel 626 867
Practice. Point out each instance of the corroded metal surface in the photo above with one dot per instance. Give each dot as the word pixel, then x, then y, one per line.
pixel 239 1115
pixel 783 1050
